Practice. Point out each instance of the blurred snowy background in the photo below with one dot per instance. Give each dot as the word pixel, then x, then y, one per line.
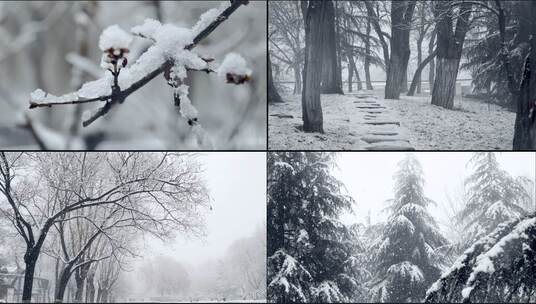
pixel 53 45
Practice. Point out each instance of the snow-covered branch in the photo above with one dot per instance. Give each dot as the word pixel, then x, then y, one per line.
pixel 171 53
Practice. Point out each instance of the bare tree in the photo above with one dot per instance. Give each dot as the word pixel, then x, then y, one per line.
pixel 162 190
pixel 286 41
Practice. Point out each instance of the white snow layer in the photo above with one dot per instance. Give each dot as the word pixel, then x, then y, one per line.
pixel 407 270
pixel 113 37
pixel 285 165
pixel 188 111
pixel 207 18
pixel 148 29
pixel 289 268
pixel 233 64
pixel 328 292
pixel 40 97
pixel 484 262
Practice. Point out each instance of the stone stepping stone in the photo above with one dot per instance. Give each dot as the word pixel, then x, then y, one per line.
pixel 383 123
pixel 371 107
pixel 372 112
pixel 381 138
pixel 282 115
pixel 384 133
pixel 394 145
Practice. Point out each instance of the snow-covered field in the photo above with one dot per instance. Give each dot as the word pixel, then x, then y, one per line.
pixel 472 125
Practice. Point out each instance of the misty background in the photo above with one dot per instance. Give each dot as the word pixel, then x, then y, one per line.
pixel 368 178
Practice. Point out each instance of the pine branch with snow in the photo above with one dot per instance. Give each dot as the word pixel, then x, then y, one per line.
pixel 497 268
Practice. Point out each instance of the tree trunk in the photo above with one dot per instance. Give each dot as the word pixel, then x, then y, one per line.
pixel 419 61
pixel 273 95
pixel 401 16
pixel 404 83
pixel 350 75
pixel 30 260
pixel 367 57
pixel 525 124
pixel 297 79
pixel 449 46
pixel 445 83
pixel 417 77
pixel 312 71
pixel 431 69
pixel 358 78
pixel 65 275
pixel 80 277
pixel 330 80
pixel 90 288
pixel 375 22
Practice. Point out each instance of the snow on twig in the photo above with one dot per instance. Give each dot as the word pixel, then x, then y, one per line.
pixel 171 50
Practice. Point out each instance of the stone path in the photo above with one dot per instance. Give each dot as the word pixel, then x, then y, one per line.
pixel 382 130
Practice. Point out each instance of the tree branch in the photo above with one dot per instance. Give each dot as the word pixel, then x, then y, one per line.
pixel 119 96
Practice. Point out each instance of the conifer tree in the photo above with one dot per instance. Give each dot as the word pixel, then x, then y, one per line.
pixel 493 197
pixel 407 261
pixel 310 252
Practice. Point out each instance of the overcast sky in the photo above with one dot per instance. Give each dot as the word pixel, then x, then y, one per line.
pixel 237 184
pixel 369 177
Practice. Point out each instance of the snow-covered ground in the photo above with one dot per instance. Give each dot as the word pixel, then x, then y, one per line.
pixel 471 125
pixel 351 122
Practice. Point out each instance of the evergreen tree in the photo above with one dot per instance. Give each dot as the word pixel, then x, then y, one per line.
pixel 310 252
pixel 407 261
pixel 497 268
pixel 493 197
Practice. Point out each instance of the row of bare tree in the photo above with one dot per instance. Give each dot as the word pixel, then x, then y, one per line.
pixel 87 209
pixel 355 31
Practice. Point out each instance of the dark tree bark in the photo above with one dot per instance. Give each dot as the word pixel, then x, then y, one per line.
pixel 404 83
pixel 315 37
pixel 64 277
pixel 297 79
pixel 90 286
pixel 350 74
pixel 525 124
pixel 80 276
pixel 417 77
pixel 273 95
pixel 419 62
pixel 331 73
pixel 30 260
pixel 449 45
pixel 401 17
pixel 358 78
pixel 352 70
pixel 367 57
pixel 431 69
